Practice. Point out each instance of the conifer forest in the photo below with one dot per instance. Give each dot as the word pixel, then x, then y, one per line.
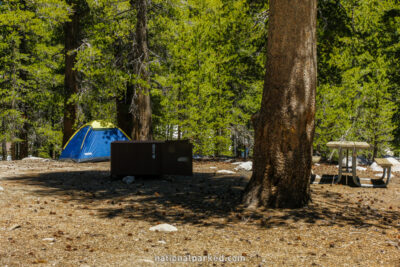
pixel 199 133
pixel 190 69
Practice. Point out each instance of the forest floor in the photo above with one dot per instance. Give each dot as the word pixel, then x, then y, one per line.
pixel 66 214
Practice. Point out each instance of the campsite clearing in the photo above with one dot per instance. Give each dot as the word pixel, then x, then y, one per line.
pixel 68 214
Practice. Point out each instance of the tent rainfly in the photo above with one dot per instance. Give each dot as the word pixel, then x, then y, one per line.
pixel 92 142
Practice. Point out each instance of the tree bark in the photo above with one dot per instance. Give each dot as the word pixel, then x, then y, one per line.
pixel 14 151
pixel 4 149
pixel 72 41
pixel 124 117
pixel 23 134
pixel 284 126
pixel 375 150
pixel 24 144
pixel 123 102
pixel 141 105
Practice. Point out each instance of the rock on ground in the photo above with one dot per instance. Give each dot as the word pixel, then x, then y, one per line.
pixel 128 179
pixel 375 167
pixel 51 239
pixel 15 226
pixel 164 228
pixel 247 166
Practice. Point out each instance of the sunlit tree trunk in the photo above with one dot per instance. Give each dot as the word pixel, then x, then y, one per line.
pixel 284 126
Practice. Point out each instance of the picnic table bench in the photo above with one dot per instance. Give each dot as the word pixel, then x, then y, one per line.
pixel 386 166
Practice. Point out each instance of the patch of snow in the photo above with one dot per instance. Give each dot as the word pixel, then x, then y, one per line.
pixel 360 160
pixel 225 172
pixel 247 166
pixel 317 164
pixel 128 179
pixel 361 168
pixel 238 162
pixel 379 174
pixel 162 242
pixel 396 164
pixel 393 161
pixel 318 177
pixel 1 188
pixel 375 167
pixel 350 161
pixel 33 158
pixel 395 168
pixel 165 227
pixel 36 158
pixel 213 167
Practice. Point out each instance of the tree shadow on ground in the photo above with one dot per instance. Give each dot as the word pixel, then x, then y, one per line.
pixel 204 199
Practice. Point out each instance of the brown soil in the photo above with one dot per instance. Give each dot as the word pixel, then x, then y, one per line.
pixel 89 220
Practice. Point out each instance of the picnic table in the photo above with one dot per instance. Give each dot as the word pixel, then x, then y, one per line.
pixel 348 145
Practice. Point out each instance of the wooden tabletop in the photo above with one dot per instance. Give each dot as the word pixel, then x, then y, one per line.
pixel 348 144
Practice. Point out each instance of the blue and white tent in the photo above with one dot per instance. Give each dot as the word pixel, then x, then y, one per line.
pixel 92 142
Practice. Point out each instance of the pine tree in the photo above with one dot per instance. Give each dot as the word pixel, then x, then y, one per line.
pixel 356 102
pixel 284 127
pixel 29 61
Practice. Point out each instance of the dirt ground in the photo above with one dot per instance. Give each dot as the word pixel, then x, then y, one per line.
pixel 66 214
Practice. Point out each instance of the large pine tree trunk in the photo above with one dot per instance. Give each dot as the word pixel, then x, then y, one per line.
pixel 72 42
pixel 284 127
pixel 141 106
